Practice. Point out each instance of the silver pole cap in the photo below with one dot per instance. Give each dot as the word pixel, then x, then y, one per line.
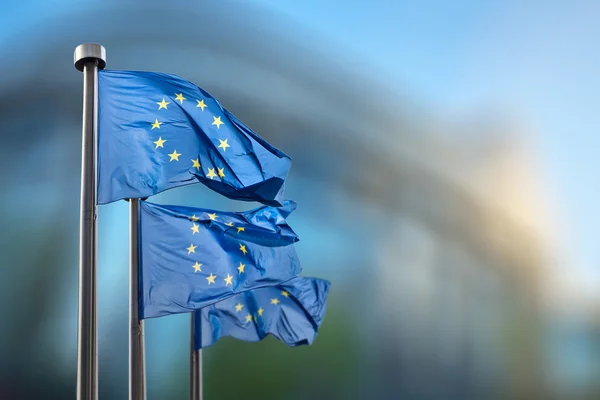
pixel 89 51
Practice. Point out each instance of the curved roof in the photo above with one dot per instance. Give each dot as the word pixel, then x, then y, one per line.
pixel 339 126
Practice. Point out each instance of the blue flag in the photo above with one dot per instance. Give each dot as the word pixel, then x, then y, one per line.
pixel 158 131
pixel 292 312
pixel 191 257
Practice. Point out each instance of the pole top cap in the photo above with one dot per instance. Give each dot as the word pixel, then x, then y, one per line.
pixel 87 52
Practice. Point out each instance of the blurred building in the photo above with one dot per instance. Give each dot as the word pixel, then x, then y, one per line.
pixel 462 275
pixel 431 245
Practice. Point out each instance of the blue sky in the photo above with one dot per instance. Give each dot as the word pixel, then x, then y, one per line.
pixel 536 60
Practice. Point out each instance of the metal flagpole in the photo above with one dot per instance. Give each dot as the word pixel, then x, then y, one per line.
pixel 137 362
pixel 88 58
pixel 195 366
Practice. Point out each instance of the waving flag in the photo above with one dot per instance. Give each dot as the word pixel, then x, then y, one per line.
pixel 292 312
pixel 192 257
pixel 159 131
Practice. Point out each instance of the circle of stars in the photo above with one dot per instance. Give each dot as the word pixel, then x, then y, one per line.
pixel 174 156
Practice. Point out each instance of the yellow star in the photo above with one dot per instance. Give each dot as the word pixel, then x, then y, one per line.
pixel 201 104
pixel 194 218
pixel 229 224
pixel 156 124
pixel 240 229
pixel 194 228
pixel 213 216
pixel 174 156
pixel 191 249
pixel 211 173
pixel 223 144
pixel 243 248
pixel 284 293
pixel 248 318
pixel 241 268
pixel 260 312
pixel 275 301
pixel 217 121
pixel 228 280
pixel 221 172
pixel 179 97
pixel 159 143
pixel 162 104
pixel 197 267
pixel 211 278
pixel 196 164
pixel 238 307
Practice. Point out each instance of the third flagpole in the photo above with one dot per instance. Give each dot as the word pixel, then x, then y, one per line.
pixel 195 365
pixel 88 59
pixel 137 362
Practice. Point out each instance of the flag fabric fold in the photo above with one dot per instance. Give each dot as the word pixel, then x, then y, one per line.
pixel 292 312
pixel 192 257
pixel 158 131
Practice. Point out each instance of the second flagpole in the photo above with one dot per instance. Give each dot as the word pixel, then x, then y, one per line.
pixel 195 365
pixel 137 362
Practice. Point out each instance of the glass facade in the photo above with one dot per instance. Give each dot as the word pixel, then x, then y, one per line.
pixel 434 295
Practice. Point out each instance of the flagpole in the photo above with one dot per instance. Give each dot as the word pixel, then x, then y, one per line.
pixel 195 366
pixel 137 362
pixel 88 58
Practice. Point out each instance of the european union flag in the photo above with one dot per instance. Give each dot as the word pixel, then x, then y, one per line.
pixel 292 312
pixel 192 257
pixel 158 131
